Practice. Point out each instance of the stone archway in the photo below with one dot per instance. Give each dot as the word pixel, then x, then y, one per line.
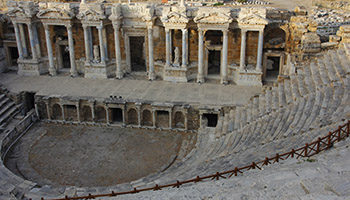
pixel 72 114
pixel 56 112
pixel 147 119
pixel 132 117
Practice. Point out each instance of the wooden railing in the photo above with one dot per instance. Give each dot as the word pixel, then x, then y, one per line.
pixel 309 149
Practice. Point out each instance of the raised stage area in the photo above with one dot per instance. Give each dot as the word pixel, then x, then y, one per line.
pixel 156 91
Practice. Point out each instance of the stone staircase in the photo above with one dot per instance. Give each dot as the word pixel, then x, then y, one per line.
pixel 308 104
pixel 8 109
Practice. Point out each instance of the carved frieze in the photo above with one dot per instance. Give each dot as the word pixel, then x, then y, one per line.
pixel 138 10
pixel 174 15
pixel 212 15
pixel 91 12
pixel 55 11
pixel 22 9
pixel 252 16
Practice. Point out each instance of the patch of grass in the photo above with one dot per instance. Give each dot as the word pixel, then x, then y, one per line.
pixel 218 4
pixel 242 1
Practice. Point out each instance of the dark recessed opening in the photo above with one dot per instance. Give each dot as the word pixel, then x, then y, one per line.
pixel 117 115
pixel 212 119
pixel 137 54
pixel 214 62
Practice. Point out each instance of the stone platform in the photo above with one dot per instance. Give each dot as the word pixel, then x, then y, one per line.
pixel 155 91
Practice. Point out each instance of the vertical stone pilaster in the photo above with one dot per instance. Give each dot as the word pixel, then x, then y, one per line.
pixel 52 69
pixel 118 57
pixel 77 105
pixel 200 76
pixel 260 50
pixel 48 110
pixel 243 46
pixel 18 41
pixel 151 73
pixel 184 48
pixel 107 115
pixel 154 118
pixel 73 69
pixel 63 113
pixel 170 119
pixel 224 58
pixel 93 113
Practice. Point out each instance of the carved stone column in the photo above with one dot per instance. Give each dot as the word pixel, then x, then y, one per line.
pixel 151 73
pixel 73 69
pixel 32 41
pixel 167 47
pixel 118 57
pixel 52 69
pixel 224 58
pixel 260 50
pixel 23 40
pixel 243 46
pixel 93 112
pixel 18 41
pixel 184 48
pixel 102 49
pixel 200 76
pixel 87 44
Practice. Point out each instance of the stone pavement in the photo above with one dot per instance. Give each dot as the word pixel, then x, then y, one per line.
pixel 192 93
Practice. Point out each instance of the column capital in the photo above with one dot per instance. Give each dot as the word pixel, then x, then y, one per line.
pixel 85 26
pixel 244 31
pixel 225 31
pixel 46 27
pixel 99 27
pixel 167 30
pixel 116 25
pixel 69 27
pixel 184 30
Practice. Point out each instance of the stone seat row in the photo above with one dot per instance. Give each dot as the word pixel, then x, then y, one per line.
pixel 310 106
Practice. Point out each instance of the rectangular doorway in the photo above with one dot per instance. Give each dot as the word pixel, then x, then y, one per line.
pixel 65 56
pixel 272 68
pixel 162 120
pixel 212 119
pixel 137 54
pixel 214 62
pixel 13 55
pixel 116 115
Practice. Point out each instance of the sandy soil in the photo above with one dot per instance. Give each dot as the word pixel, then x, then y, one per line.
pixel 91 156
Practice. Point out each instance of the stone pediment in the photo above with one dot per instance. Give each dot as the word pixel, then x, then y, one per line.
pixel 21 9
pixel 144 11
pixel 253 20
pixel 55 11
pixel 252 16
pixel 91 12
pixel 116 12
pixel 213 16
pixel 175 15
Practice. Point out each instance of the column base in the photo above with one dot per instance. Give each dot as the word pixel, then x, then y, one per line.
pixel 52 71
pixel 119 74
pixel 32 67
pixel 151 76
pixel 184 66
pixel 73 73
pixel 200 78
pixel 224 80
pixel 252 78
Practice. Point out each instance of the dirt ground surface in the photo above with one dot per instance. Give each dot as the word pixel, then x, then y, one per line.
pixel 290 4
pixel 87 156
